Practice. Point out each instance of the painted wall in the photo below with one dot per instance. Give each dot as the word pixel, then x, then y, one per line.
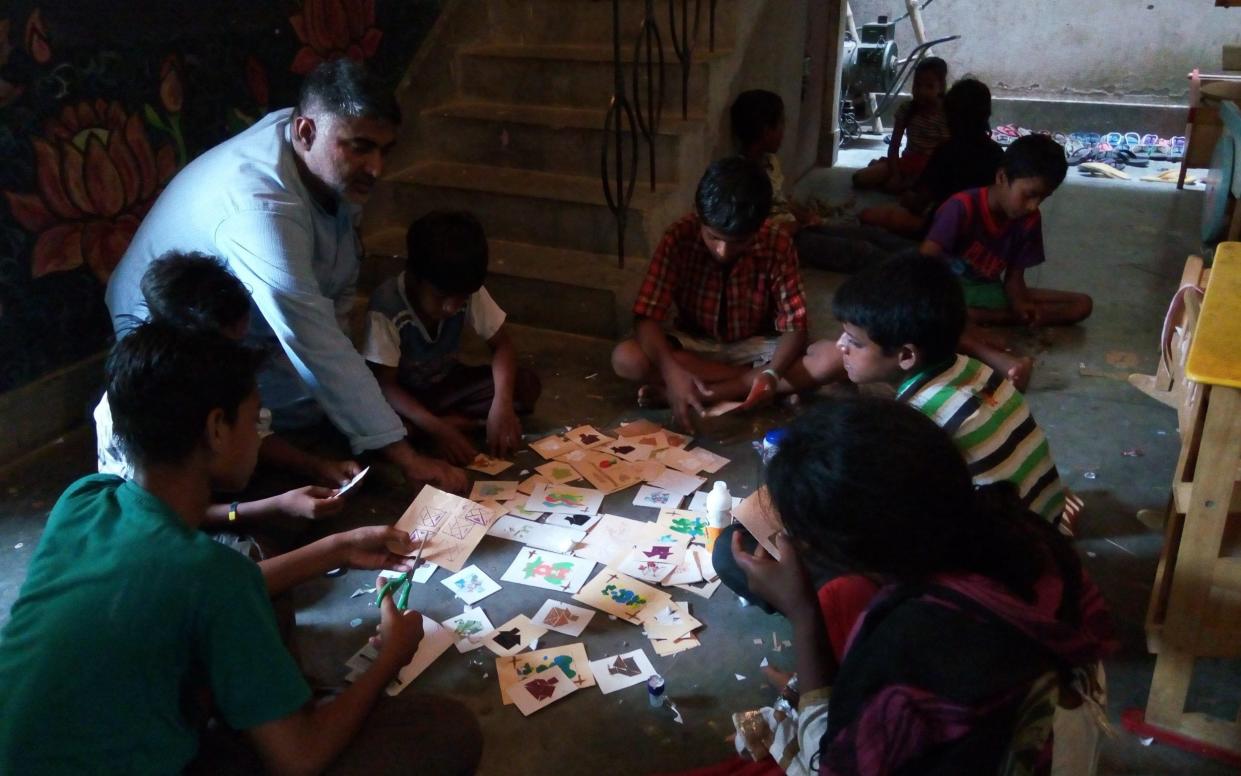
pixel 1111 50
pixel 100 105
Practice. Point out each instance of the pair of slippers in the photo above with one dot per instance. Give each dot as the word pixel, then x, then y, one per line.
pixel 1118 158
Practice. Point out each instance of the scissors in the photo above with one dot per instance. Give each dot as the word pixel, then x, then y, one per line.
pixel 399 586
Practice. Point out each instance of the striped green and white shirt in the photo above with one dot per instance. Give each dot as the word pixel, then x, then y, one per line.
pixel 991 424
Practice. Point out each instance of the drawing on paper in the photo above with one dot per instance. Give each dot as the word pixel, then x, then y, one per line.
pixel 623 596
pixel 432 517
pixel 552 573
pixel 624 666
pixel 541 689
pixel 508 638
pixel 558 617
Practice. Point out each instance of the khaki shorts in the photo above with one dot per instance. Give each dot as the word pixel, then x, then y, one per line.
pixel 750 351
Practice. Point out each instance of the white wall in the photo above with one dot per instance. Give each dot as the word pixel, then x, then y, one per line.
pixel 1110 50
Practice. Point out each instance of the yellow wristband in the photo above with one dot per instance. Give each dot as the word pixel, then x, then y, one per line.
pixel 232 512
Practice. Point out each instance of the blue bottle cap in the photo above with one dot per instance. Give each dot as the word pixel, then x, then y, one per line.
pixel 774 437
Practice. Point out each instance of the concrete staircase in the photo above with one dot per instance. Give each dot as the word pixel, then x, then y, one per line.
pixel 504 108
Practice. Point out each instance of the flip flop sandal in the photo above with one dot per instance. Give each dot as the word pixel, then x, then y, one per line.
pixel 1132 139
pixel 1114 139
pixel 1150 140
pixel 1082 154
pixel 1160 150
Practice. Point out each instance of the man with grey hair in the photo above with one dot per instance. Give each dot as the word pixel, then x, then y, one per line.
pixel 279 203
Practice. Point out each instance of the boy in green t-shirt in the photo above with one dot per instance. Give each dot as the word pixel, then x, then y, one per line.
pixel 133 627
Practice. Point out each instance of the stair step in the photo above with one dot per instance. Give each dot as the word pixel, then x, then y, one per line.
pixel 555 116
pixel 565 141
pixel 521 183
pixel 569 75
pixel 536 21
pixel 572 52
pixel 592 296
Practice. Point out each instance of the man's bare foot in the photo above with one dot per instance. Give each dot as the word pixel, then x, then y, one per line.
pixel 652 397
pixel 1019 373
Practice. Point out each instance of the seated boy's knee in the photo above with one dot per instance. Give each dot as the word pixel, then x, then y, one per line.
pixel 628 360
pixel 1085 306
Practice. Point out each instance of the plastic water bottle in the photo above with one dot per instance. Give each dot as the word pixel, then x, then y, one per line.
pixel 719 511
pixel 771 444
pixel 655 688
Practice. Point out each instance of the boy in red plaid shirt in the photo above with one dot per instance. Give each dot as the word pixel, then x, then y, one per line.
pixel 740 319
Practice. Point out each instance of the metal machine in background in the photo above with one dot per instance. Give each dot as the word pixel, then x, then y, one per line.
pixel 872 74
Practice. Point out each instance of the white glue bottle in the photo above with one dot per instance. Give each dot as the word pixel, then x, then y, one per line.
pixel 719 511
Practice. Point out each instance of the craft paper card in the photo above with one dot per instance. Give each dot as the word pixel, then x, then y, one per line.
pixel 420 575
pixel 435 639
pixel 684 522
pixel 678 482
pixel 699 502
pixel 669 647
pixel 470 584
pixel 676 440
pixel 353 483
pixel 541 690
pixel 656 498
pixel 652 561
pixel 704 589
pixel 565 498
pixel 648 470
pixel 759 517
pixel 488 465
pixel 563 618
pixel 628 450
pixel 695 567
pixel 621 671
pixel 571 658
pixel 620 595
pixel 588 436
pixel 639 428
pixel 580 522
pixel 553 446
pixel 711 462
pixel 606 472
pixel 680 459
pixel 513 636
pixel 556 538
pixel 615 536
pixel 470 629
pixel 450 526
pixel 494 490
pixel 527 486
pixel 517 508
pixel 669 622
pixel 649 570
pixel 548 570
pixel 558 472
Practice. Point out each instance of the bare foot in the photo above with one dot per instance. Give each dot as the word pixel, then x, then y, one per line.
pixel 652 397
pixel 1020 372
pixel 777 678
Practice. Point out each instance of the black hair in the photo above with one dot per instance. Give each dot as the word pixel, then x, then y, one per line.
pixel 194 290
pixel 753 112
pixel 907 299
pixel 734 196
pixel 933 65
pixel 1035 156
pixel 448 249
pixel 876 486
pixel 345 88
pixel 162 382
pixel 967 108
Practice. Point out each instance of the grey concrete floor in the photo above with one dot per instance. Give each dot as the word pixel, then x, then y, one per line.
pixel 1123 242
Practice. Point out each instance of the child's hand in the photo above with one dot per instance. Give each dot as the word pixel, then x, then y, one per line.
pixel 399 631
pixel 311 502
pixel 336 473
pixel 503 431
pixel 782 583
pixel 367 548
pixel 455 446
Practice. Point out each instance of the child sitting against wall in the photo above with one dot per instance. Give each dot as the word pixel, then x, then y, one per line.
pixel 413 339
pixel 921 123
pixel 758 124
pixel 196 291
pixel 967 160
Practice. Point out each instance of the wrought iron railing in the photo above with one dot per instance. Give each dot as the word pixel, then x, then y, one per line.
pixel 618 172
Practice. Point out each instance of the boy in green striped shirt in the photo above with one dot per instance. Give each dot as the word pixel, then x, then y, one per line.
pixel 902 320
